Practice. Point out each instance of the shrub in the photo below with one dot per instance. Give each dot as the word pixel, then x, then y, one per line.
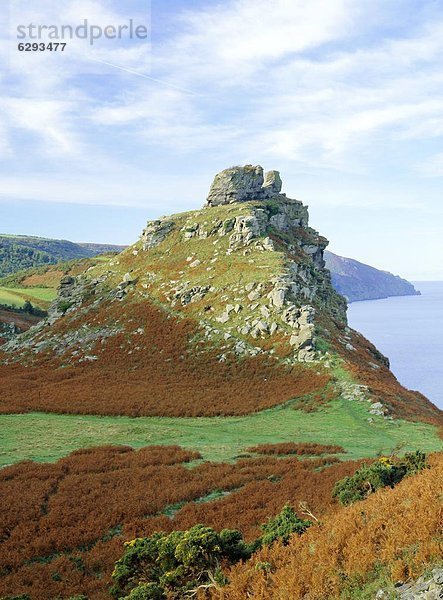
pixel 169 565
pixel 282 526
pixel 369 478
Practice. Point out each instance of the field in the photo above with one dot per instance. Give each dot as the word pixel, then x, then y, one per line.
pixel 47 437
pixel 39 284
pixel 16 297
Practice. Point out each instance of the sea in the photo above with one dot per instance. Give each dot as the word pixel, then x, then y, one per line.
pixel 409 331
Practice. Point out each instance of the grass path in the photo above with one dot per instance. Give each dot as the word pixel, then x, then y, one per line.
pixel 46 437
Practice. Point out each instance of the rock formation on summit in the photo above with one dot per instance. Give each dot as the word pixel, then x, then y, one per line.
pixel 241 184
pixel 254 216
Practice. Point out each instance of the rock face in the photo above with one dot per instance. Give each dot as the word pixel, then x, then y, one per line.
pixel 240 184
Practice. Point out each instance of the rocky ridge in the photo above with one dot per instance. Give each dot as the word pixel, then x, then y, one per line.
pixel 271 220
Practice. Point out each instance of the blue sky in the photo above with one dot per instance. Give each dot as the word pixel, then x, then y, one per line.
pixel 343 97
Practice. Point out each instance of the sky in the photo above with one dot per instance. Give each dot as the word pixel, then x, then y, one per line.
pixel 344 98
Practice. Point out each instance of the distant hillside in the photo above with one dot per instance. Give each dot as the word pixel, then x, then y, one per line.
pixel 94 249
pixel 357 281
pixel 19 252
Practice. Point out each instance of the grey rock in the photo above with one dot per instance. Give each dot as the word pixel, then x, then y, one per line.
pixel 437 576
pixel 273 328
pixel 267 244
pixel 254 295
pixel 247 228
pixel 237 184
pixel 155 232
pixel 265 311
pixel 242 184
pixel 224 318
pixel 187 295
pixel 377 408
pixel 277 297
pixel 272 183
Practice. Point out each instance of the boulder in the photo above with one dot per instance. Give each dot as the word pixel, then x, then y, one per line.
pixel 155 232
pixel 237 184
pixel 272 183
pixel 277 296
pixel 241 184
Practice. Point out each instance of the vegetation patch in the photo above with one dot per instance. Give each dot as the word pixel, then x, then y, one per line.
pixel 387 538
pixel 382 473
pixel 300 449
pixel 73 516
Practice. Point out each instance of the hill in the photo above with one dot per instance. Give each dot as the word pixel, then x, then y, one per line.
pixel 235 292
pixel 18 252
pixel 219 331
pixel 357 281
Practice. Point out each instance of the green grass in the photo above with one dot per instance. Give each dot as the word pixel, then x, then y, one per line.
pixel 17 296
pixel 46 437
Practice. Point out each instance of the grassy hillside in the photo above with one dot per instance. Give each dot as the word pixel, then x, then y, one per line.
pixel 18 252
pixel 38 285
pixel 16 297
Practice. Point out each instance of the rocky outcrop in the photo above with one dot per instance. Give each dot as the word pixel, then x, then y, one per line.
pixel 425 588
pixel 71 294
pixel 248 228
pixel 240 184
pixel 8 331
pixel 155 232
pixel 187 295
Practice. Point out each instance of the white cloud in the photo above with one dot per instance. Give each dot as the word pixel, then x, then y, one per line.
pixel 307 84
pixel 432 166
